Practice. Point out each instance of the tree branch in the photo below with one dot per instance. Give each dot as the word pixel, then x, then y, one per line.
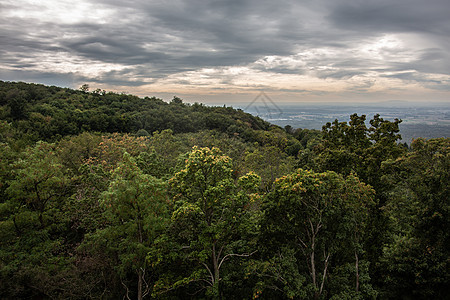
pixel 210 273
pixel 147 287
pixel 234 254
pixel 220 252
pixel 324 272
pixel 126 295
pixel 303 243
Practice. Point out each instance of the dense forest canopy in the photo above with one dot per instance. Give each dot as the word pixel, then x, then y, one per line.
pixel 107 195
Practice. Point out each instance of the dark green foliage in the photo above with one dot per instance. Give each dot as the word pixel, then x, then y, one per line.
pixel 314 222
pixel 354 148
pixel 17 102
pixel 35 232
pixel 112 196
pixel 134 208
pixel 49 113
pixel 416 259
pixel 211 216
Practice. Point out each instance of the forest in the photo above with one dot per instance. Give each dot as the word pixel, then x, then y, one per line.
pixel 112 196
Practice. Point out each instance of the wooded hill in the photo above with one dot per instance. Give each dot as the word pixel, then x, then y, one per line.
pixel 107 195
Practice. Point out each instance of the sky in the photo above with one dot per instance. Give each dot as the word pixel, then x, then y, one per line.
pixel 231 51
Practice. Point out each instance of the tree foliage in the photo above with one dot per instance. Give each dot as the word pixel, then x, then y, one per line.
pixel 416 259
pixel 212 210
pixel 318 218
pixel 108 196
pixel 135 211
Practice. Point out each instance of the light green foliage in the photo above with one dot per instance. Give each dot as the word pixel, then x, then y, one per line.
pixel 162 156
pixel 321 217
pixel 211 214
pixel 135 209
pixel 34 223
pixel 205 180
pixel 269 162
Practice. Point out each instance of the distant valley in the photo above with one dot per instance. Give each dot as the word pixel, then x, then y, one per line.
pixel 418 120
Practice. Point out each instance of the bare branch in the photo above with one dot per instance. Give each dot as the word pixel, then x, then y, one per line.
pixel 324 271
pixel 303 243
pixel 312 228
pixel 234 254
pixel 210 273
pixel 147 287
pixel 128 291
pixel 220 252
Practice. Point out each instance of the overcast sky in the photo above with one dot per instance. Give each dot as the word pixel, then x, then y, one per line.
pixel 228 51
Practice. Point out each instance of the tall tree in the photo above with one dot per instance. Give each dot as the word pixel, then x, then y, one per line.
pixel 34 231
pixel 416 260
pixel 353 147
pixel 212 212
pixel 135 208
pixel 319 219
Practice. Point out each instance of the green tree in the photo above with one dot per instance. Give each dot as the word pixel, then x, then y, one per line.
pixel 269 162
pixel 135 208
pixel 212 212
pixel 354 148
pixel 34 229
pixel 76 150
pixel 17 102
pixel 319 218
pixel 84 88
pixel 416 260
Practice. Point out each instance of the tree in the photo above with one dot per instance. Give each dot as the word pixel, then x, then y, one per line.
pixel 112 147
pixel 17 102
pixel 416 258
pixel 354 148
pixel 269 162
pixel 211 214
pixel 135 208
pixel 34 227
pixel 84 88
pixel 176 100
pixel 319 218
pixel 76 150
pixel 39 182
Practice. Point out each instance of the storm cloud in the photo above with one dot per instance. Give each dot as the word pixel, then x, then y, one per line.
pixel 240 46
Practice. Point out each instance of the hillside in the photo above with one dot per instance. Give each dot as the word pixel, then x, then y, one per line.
pixel 49 113
pixel 110 196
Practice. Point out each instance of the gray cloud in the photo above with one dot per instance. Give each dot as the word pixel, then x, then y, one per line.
pixel 150 40
pixel 393 16
pixel 48 78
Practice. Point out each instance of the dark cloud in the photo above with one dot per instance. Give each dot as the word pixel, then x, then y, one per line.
pixel 393 16
pixel 48 78
pixel 151 40
pixel 433 61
